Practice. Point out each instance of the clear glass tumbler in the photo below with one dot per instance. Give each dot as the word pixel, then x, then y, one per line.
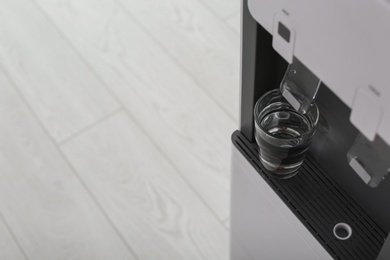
pixel 282 133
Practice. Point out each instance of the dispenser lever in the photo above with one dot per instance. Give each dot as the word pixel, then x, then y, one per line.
pixel 299 86
pixel 369 159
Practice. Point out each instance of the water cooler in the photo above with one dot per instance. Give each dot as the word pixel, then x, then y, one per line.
pixel 338 205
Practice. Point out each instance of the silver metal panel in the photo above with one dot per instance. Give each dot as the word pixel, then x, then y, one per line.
pixel 345 43
pixel 262 226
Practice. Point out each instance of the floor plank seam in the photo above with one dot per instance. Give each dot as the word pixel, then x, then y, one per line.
pixel 178 172
pixel 76 51
pixel 13 236
pixel 229 17
pixel 152 139
pixel 73 170
pixel 222 18
pixel 99 206
pixel 128 13
pixel 129 113
pixel 58 145
pixel 226 223
pixel 193 78
pixel 88 127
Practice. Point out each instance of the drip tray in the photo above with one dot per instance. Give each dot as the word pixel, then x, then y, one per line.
pixel 326 210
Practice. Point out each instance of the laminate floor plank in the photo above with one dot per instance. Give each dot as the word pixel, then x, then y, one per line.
pixel 155 210
pixel 223 8
pixel 184 123
pixel 227 223
pixel 234 21
pixel 8 246
pixel 201 43
pixel 60 88
pixel 142 102
pixel 49 211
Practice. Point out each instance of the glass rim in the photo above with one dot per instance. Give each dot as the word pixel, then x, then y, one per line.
pixel 277 92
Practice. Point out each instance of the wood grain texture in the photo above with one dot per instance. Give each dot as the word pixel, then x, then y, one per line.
pixel 8 246
pixel 234 21
pixel 223 8
pixel 186 125
pixel 44 204
pixel 227 223
pixel 202 44
pixel 62 91
pixel 155 210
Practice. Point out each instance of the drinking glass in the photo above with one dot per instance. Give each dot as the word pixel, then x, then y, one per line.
pixel 282 133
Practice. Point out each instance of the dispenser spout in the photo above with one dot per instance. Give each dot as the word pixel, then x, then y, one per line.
pixel 370 159
pixel 299 86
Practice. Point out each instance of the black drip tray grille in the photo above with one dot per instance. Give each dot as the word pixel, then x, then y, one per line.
pixel 321 204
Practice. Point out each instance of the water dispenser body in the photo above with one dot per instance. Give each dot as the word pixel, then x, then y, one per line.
pixel 345 46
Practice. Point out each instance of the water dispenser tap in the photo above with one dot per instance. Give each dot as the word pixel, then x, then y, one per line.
pixel 369 159
pixel 299 86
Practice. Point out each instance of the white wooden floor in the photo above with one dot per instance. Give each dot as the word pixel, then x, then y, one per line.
pixel 115 124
